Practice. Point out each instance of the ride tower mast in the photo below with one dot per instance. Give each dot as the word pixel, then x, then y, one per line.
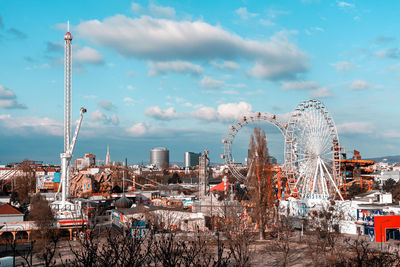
pixel 69 144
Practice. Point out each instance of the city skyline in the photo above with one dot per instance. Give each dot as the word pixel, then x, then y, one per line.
pixel 177 74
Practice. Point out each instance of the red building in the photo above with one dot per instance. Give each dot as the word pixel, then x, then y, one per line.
pixel 387 227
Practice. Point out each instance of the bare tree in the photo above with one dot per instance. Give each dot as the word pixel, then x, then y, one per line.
pixel 41 213
pixel 358 252
pixel 24 185
pixel 86 253
pixel 325 226
pixel 236 230
pixel 46 236
pixel 283 232
pixel 260 185
pixel 128 247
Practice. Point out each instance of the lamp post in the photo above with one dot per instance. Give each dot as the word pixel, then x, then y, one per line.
pixel 382 232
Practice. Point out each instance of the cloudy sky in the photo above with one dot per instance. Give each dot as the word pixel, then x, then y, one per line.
pixel 178 73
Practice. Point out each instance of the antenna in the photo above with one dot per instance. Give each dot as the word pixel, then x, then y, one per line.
pixel 67 25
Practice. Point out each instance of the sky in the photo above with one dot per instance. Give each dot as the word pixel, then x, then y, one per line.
pixel 177 74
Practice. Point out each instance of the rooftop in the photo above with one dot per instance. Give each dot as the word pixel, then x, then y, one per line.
pixel 8 209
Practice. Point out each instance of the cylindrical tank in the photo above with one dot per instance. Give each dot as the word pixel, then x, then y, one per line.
pixel 159 157
pixel 191 159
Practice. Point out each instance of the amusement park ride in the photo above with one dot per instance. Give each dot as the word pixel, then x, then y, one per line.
pixel 356 171
pixel 65 211
pixel 313 158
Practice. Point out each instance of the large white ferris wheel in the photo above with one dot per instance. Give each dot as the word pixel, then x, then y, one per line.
pixel 312 153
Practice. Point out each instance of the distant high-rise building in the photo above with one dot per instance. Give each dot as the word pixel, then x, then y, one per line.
pixel 204 172
pixel 159 157
pixel 87 161
pixel 108 158
pixel 191 159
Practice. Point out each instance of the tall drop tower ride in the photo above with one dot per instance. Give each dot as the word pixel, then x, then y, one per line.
pixel 69 144
pixel 67 109
pixel 67 88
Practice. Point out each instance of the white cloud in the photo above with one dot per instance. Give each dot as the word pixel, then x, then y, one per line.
pixel 208 82
pixel 391 134
pixel 205 113
pixel 355 128
pixel 129 101
pixel 139 129
pixel 157 113
pixel 321 92
pixel 152 9
pixel 137 8
pixel 267 22
pixel 27 125
pixel 88 55
pixel 233 111
pixel 162 39
pixel 299 85
pixel 393 53
pixel 345 4
pixel 160 68
pixel 11 104
pixel 8 99
pixel 107 105
pixel 381 39
pixel 114 119
pixel 314 88
pixel 224 112
pixel 97 116
pixel 281 69
pixel 6 93
pixel 226 65
pixel 162 11
pixel 244 14
pixel 344 66
pixel 360 85
pixel 313 30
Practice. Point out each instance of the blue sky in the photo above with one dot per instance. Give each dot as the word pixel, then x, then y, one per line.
pixel 178 73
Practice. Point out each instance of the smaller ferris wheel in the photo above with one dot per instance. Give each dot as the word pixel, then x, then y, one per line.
pixel 235 128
